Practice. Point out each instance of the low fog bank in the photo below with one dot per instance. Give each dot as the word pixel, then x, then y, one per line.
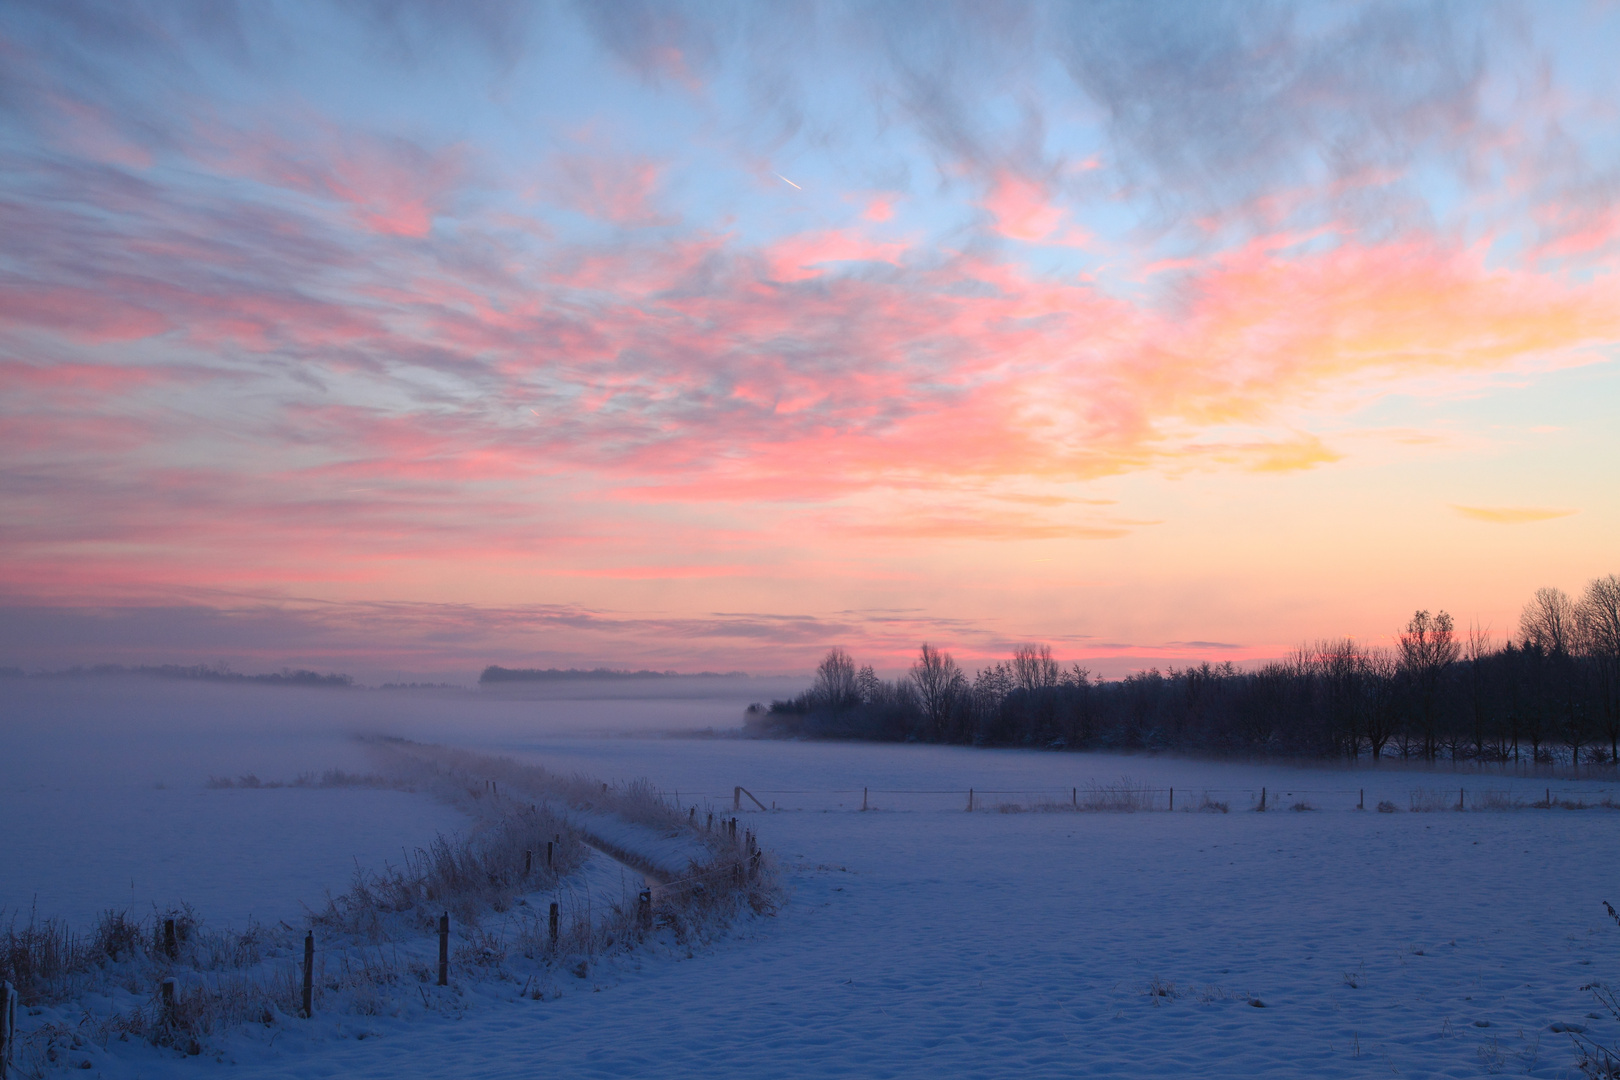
pixel 104 780
pixel 134 730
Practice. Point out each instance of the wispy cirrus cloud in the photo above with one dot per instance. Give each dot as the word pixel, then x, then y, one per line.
pixel 387 184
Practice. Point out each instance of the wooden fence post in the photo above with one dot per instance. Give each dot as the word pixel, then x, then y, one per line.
pixel 1172 798
pixel 1361 803
pixel 166 993
pixel 1262 798
pixel 644 910
pixel 970 798
pixel 171 948
pixel 863 798
pixel 1074 798
pixel 1460 792
pixel 444 949
pixel 309 974
pixel 736 798
pixel 549 845
pixel 8 1026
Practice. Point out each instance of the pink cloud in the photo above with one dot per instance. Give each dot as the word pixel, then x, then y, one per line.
pixel 610 187
pixel 82 314
pixel 1578 232
pixel 99 382
pixel 1025 210
pixel 805 255
pixel 90 131
pixel 617 384
pixel 387 184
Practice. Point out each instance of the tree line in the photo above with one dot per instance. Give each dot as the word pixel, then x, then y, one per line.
pixel 1550 693
pixel 192 672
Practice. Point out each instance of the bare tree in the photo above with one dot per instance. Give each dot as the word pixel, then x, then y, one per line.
pixel 940 686
pixel 1428 647
pixel 1342 667
pixel 1478 651
pixel 990 688
pixel 1382 717
pixel 1034 668
pixel 1598 616
pixel 868 686
pixel 1552 625
pixel 1080 720
pixel 1266 705
pixel 835 687
pixel 1549 623
pixel 1038 676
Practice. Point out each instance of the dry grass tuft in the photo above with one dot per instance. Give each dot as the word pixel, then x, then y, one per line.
pixel 1161 989
pixel 1425 801
pixel 1123 796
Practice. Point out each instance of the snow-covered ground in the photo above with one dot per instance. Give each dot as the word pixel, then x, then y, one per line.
pixel 916 938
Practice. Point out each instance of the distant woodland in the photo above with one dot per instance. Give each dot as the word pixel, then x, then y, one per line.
pixel 497 674
pixel 1548 694
pixel 196 673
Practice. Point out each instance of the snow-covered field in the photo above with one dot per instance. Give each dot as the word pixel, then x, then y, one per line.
pixel 915 939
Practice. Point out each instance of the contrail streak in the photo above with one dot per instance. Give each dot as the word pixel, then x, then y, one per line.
pixel 785 180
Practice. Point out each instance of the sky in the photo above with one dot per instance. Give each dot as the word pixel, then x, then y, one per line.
pixel 404 336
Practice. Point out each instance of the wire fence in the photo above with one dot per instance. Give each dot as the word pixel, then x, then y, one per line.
pixel 1130 797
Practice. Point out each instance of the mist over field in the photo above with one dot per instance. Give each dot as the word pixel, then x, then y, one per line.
pixel 107 782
